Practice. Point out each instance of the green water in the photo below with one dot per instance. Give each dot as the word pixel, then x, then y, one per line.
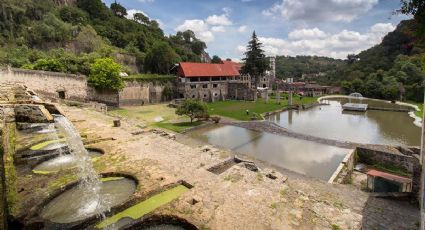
pixel 145 207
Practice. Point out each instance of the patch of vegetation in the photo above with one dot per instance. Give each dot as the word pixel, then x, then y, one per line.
pixel 10 171
pixel 145 207
pixel 177 127
pixel 260 176
pixel 273 205
pixel 61 182
pixel 392 169
pixel 105 74
pixel 237 109
pixel 335 227
pixel 160 79
pixel 42 145
pixel 106 179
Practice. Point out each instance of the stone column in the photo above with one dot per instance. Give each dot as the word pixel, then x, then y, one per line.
pixel 290 98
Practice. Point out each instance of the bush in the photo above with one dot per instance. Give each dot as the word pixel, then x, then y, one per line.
pixel 193 109
pixel 105 74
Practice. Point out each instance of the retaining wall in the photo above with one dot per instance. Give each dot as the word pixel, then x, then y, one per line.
pixel 48 84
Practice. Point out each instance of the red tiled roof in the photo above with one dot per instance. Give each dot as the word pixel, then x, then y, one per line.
pixel 226 69
pixel 389 176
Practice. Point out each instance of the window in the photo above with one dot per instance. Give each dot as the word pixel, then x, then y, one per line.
pixel 193 96
pixel 205 95
pixel 193 86
pixel 215 85
pixel 61 94
pixel 205 86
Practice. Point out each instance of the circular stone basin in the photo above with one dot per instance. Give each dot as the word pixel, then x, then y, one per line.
pixel 63 162
pixel 162 223
pixel 77 204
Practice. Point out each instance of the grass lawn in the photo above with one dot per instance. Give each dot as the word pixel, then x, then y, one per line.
pixel 421 107
pixel 237 109
pixel 148 113
pixel 177 127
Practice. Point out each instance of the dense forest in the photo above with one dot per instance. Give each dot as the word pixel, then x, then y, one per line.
pixel 295 67
pixel 69 35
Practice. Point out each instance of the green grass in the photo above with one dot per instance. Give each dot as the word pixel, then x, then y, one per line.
pixel 46 143
pixel 237 109
pixel 392 169
pixel 139 210
pixel 177 127
pixel 150 78
pixel 421 107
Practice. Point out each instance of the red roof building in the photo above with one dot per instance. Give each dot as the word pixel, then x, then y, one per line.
pixel 224 69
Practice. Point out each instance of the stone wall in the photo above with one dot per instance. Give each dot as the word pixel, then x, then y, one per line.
pixel 48 84
pixel 239 91
pixel 138 92
pixel 3 201
pixel 410 163
pixel 209 91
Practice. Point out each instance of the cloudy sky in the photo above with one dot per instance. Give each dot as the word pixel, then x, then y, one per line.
pixel 332 28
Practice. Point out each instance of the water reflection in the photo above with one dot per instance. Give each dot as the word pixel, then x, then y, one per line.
pixel 372 126
pixel 301 156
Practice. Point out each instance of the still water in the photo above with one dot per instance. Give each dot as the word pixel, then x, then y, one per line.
pixel 301 156
pixel 371 127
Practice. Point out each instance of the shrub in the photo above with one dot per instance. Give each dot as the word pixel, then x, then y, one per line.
pixel 105 74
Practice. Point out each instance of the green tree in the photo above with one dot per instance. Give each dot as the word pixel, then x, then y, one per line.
pixel 256 62
pixel 49 65
pixel 161 58
pixel 105 74
pixel 118 10
pixel 192 109
pixel 73 15
pixel 216 59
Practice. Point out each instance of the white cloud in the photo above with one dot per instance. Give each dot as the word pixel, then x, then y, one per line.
pixel 132 12
pixel 317 42
pixel 220 29
pixel 221 20
pixel 242 29
pixel 306 33
pixel 320 10
pixel 205 29
pixel 199 27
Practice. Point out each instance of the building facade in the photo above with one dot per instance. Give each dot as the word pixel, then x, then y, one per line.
pixel 211 82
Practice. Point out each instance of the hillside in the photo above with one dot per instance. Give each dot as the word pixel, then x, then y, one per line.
pixel 295 67
pixel 68 35
pixel 389 70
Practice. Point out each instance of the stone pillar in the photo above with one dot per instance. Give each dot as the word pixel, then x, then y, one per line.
pixel 290 98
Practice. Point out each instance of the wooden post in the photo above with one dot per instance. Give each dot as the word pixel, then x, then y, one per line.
pixel 117 123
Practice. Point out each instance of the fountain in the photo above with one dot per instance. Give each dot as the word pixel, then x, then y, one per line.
pixel 90 184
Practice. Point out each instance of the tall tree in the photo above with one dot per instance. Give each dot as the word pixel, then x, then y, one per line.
pixel 415 8
pixel 256 62
pixel 161 58
pixel 118 9
pixel 216 59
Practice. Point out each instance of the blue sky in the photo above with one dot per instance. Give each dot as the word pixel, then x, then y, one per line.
pixel 331 28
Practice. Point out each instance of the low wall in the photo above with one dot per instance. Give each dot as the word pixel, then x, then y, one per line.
pixel 343 173
pixel 48 84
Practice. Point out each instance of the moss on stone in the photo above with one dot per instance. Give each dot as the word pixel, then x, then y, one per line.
pixel 10 171
pixel 145 207
pixel 106 179
pixel 46 143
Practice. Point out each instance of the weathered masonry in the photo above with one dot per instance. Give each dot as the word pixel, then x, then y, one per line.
pixel 75 88
pixel 221 81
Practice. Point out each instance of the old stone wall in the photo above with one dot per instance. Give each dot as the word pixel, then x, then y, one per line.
pixel 345 169
pixel 240 91
pixel 108 97
pixel 49 84
pixel 140 92
pixel 205 91
pixel 3 201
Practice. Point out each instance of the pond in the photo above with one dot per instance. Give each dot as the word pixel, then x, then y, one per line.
pixel 371 127
pixel 305 157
